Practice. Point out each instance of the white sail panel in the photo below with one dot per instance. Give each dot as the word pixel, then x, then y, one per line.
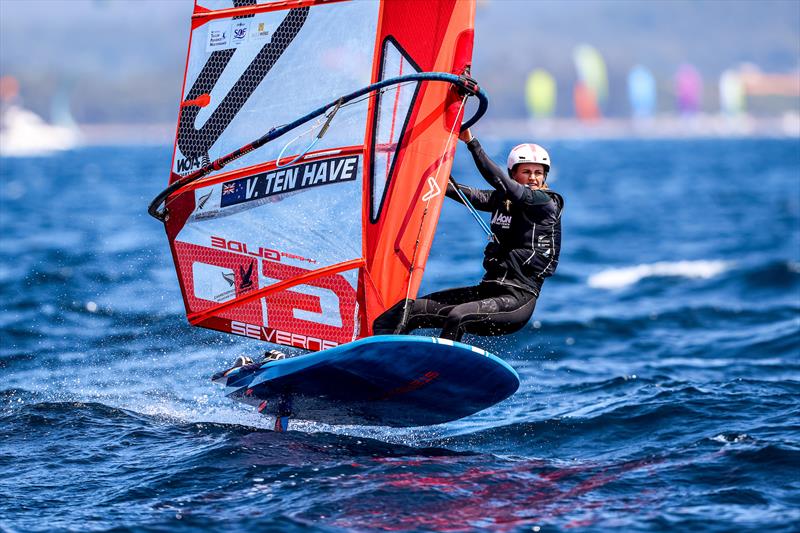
pixel 262 223
pixel 317 228
pixel 258 83
pixel 392 114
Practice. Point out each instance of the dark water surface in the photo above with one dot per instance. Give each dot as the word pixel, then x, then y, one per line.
pixel 660 378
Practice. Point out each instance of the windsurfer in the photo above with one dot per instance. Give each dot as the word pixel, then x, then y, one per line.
pixel 526 228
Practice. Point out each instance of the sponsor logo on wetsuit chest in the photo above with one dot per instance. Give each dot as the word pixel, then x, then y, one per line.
pixel 499 219
pixel 291 179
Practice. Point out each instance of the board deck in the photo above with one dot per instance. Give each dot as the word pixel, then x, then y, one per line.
pixel 386 380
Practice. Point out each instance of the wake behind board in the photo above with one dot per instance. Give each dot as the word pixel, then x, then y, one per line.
pixel 387 380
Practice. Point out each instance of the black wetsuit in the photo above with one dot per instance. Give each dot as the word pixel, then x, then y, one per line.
pixel 527 227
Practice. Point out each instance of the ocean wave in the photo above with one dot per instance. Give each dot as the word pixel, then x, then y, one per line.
pixel 744 326
pixel 618 278
pixel 24 412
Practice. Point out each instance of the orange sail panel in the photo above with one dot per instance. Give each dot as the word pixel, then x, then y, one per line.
pixel 306 240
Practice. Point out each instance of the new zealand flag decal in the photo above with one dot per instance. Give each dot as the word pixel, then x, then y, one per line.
pixel 290 180
pixel 232 192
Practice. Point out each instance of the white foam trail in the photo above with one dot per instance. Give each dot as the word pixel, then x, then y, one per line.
pixel 617 278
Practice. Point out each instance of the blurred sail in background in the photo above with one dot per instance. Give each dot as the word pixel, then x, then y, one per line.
pixel 757 83
pixel 125 95
pixel 732 99
pixel 540 94
pixel 586 108
pixel 24 133
pixel 688 90
pixel 591 89
pixel 642 92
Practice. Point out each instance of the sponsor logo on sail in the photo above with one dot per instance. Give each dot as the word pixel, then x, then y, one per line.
pixel 433 190
pixel 256 251
pixel 204 209
pixel 246 276
pixel 219 33
pixel 224 296
pixel 259 31
pixel 277 336
pixel 187 164
pixel 239 33
pixel 203 199
pixel 213 283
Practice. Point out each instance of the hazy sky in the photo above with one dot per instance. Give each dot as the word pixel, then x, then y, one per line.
pixel 123 59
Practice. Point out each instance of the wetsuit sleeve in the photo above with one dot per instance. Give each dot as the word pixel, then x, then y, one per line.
pixel 481 200
pixel 501 181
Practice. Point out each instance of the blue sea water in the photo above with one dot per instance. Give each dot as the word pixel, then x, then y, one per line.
pixel 660 374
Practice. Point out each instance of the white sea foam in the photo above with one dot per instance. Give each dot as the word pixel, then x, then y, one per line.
pixel 617 278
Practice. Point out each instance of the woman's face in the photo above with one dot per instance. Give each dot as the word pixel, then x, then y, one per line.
pixel 529 174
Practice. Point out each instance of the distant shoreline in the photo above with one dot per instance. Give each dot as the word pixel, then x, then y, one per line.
pixel 662 127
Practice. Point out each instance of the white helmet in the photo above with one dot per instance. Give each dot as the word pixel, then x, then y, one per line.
pixel 528 153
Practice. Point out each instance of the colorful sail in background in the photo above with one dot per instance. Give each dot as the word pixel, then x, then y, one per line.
pixel 541 93
pixel 758 83
pixel 642 92
pixel 298 246
pixel 732 97
pixel 688 89
pixel 591 90
pixel 585 101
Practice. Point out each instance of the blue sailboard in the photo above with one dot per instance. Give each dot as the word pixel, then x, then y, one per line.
pixel 387 380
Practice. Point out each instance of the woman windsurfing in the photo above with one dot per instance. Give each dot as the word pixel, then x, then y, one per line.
pixel 526 242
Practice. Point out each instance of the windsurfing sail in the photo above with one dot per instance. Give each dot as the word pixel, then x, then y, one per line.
pixel 305 235
pixel 642 92
pixel 732 96
pixel 541 93
pixel 688 90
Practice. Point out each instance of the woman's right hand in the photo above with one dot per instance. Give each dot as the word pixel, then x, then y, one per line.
pixel 465 135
